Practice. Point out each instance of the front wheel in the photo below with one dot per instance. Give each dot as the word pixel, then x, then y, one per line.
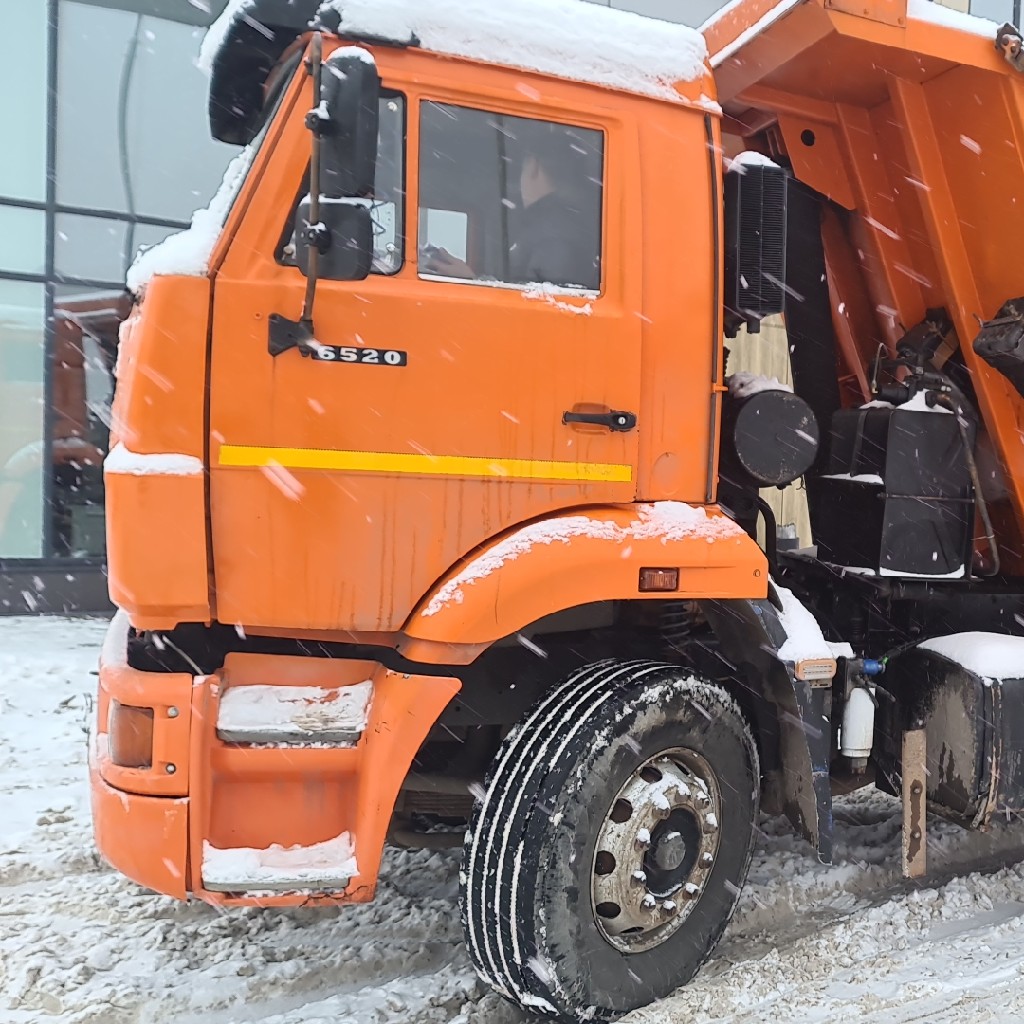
pixel 606 856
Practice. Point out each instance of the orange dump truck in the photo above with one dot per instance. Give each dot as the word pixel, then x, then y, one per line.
pixel 434 511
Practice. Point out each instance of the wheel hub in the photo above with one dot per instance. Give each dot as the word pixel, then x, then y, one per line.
pixel 670 851
pixel 655 851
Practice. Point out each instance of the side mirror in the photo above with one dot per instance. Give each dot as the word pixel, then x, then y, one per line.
pixel 333 224
pixel 342 239
pixel 350 97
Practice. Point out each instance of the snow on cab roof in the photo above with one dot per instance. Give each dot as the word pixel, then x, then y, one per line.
pixel 565 38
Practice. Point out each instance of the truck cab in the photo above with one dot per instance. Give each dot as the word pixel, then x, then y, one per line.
pixel 435 517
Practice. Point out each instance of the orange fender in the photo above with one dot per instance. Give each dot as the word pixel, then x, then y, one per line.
pixel 593 555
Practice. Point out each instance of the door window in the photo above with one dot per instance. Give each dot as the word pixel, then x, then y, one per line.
pixel 509 200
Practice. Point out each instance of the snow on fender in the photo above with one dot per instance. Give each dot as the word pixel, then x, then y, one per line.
pixel 567 561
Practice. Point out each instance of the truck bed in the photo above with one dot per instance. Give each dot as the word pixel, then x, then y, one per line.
pixel 908 119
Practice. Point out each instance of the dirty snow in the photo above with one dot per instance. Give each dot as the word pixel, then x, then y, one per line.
pixel 297 867
pixel 188 252
pixel 549 293
pixel 809 944
pixel 248 713
pixel 667 520
pixel 991 655
pixel 122 460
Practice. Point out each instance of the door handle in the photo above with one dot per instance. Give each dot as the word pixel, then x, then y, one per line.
pixel 621 422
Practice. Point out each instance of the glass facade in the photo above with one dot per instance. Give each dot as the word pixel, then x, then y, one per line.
pixel 112 154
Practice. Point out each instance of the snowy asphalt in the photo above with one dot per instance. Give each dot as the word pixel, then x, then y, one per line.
pixel 809 944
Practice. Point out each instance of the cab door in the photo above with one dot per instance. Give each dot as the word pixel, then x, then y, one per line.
pixel 433 418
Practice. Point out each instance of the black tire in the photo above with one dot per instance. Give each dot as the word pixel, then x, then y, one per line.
pixel 529 859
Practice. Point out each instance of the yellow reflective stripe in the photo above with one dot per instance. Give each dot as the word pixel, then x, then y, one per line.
pixel 422 465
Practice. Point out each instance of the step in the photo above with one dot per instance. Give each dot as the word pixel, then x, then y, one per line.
pixel 294 715
pixel 326 866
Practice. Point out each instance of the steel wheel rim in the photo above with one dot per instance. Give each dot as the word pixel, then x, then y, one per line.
pixel 655 850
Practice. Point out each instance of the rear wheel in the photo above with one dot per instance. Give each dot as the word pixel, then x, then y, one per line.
pixel 606 855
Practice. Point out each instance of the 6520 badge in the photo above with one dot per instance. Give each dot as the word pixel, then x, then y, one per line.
pixel 358 355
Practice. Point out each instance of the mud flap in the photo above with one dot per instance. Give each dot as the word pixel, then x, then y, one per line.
pixel 753 633
pixel 974 733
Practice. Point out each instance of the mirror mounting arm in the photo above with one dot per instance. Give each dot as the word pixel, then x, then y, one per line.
pixel 287 334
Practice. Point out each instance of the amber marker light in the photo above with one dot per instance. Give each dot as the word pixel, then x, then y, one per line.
pixel 663 580
pixel 130 732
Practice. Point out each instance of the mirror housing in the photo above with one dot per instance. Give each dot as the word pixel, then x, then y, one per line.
pixel 343 236
pixel 350 95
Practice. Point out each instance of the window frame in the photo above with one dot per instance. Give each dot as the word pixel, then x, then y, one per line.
pixel 561 116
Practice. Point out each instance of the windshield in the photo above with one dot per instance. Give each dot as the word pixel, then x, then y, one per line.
pixel 188 252
pixel 276 86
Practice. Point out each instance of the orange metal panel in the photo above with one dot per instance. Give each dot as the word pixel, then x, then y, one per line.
pixel 888 12
pixel 897 297
pixel 156 548
pixel 817 158
pixel 548 577
pixel 143 837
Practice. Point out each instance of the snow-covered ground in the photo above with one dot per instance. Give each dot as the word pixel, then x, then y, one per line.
pixel 80 944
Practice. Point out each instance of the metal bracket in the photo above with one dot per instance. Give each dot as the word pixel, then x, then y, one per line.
pixel 915 825
pixel 1009 43
pixel 285 334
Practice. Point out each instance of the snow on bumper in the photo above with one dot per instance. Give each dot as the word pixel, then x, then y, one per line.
pixel 201 792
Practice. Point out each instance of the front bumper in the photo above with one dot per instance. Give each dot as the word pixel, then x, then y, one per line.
pixel 154 824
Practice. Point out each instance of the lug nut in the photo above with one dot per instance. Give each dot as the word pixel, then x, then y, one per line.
pixel 643 839
pixel 669 906
pixel 707 859
pixel 710 823
pixel 639 878
pixel 649 902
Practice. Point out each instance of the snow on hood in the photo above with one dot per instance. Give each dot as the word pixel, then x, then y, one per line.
pixel 565 38
pixel 990 655
pixel 187 253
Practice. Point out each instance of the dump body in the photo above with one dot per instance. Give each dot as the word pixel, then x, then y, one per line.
pixel 908 121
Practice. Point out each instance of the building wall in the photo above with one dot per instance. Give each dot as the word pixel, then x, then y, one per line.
pixel 105 117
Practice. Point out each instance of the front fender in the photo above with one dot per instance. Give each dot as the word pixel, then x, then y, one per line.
pixel 752 634
pixel 594 555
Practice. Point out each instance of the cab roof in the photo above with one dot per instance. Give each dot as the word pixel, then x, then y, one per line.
pixel 566 39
